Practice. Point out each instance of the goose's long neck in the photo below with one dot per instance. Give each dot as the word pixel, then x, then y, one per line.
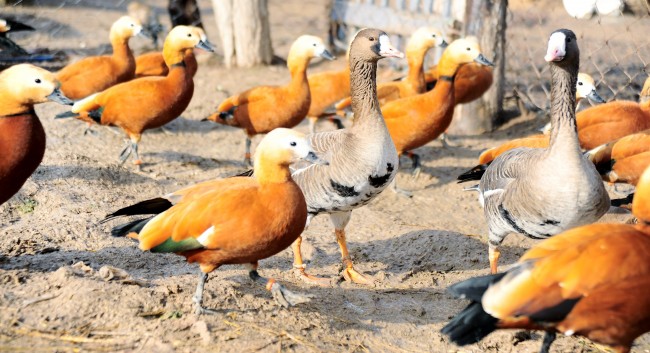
pixel 363 91
pixel 564 133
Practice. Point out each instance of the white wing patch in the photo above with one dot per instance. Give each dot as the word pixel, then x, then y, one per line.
pixel 203 238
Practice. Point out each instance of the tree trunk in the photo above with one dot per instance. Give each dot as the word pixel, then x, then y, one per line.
pixel 485 19
pixel 245 32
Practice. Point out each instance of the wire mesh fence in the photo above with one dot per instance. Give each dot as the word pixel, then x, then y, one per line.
pixel 614 49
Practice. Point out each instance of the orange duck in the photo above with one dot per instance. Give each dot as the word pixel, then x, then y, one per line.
pixel 22 138
pixel 231 221
pixel 470 82
pixel 606 122
pixel 623 160
pixel 419 44
pixel 592 281
pixel 148 102
pixel 415 121
pixel 153 63
pixel 97 73
pixel 264 108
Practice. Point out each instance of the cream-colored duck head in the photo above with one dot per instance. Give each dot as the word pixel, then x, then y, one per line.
pixel 181 38
pixel 307 46
pixel 463 51
pixel 283 147
pixel 586 88
pixel 426 38
pixel 125 27
pixel 23 85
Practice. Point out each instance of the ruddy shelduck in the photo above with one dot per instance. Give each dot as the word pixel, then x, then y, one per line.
pixel 153 63
pixel 591 281
pixel 238 220
pixel 148 102
pixel 97 73
pixel 623 160
pixel 22 138
pixel 264 108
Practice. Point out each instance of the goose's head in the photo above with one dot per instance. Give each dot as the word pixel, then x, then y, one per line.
pixel 464 51
pixel 563 49
pixel 371 44
pixel 426 37
pixel 27 85
pixel 186 37
pixel 285 146
pixel 310 47
pixel 126 27
pixel 586 88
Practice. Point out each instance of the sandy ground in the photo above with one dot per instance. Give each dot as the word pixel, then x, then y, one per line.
pixel 66 285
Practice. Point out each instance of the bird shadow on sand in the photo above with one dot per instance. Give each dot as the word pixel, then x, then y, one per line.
pixel 192 160
pixel 114 173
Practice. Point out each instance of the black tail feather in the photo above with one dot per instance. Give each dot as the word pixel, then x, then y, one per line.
pixel 131 227
pixel 624 201
pixel 470 325
pixel 473 174
pixel 474 288
pixel 153 206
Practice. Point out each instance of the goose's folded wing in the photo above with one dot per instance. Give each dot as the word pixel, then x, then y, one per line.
pixel 507 167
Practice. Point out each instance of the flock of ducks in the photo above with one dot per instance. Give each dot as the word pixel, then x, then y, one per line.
pixel 585 279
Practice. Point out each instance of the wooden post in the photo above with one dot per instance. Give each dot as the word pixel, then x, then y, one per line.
pixel 245 32
pixel 485 19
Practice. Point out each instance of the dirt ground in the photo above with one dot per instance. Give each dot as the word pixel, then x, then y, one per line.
pixel 66 285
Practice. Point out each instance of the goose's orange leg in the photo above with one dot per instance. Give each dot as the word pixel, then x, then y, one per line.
pixel 493 255
pixel 299 267
pixel 349 273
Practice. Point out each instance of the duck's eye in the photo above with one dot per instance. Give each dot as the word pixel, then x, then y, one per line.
pixel 293 143
pixel 468 49
pixel 568 40
pixel 38 80
pixel 314 44
pixel 189 34
pixel 579 83
pixel 132 25
pixel 372 39
pixel 433 35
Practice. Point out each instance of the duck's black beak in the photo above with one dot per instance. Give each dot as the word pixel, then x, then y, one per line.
pixel 57 96
pixel 595 97
pixel 327 55
pixel 483 60
pixel 205 45
pixel 313 158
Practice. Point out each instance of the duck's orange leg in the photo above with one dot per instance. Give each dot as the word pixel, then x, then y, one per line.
pixel 281 295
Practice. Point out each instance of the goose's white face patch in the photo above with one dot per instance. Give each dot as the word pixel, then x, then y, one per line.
pixel 386 49
pixel 556 47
